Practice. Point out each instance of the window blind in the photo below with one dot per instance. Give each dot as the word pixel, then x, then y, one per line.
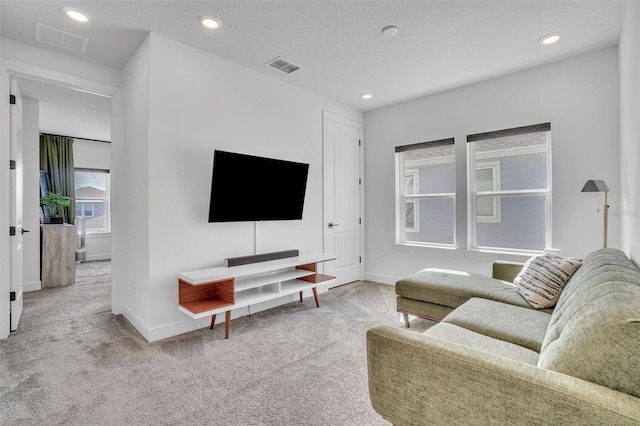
pixel 422 145
pixel 535 128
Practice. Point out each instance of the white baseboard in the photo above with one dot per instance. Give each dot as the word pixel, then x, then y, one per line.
pixel 381 279
pixel 136 322
pixel 32 286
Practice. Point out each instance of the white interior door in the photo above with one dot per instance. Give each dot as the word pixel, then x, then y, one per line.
pixel 342 198
pixel 16 203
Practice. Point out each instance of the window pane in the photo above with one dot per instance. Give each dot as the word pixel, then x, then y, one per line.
pixel 410 215
pixel 436 221
pixel 484 179
pixel 410 181
pixel 522 224
pixel 523 160
pixel 485 206
pixel 432 168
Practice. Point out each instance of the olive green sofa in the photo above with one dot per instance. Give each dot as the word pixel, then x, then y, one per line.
pixel 493 360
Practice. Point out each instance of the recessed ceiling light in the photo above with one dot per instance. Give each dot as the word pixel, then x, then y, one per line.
pixel 367 96
pixel 549 39
pixel 210 22
pixel 390 31
pixel 77 15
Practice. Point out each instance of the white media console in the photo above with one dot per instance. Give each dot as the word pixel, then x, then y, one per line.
pixel 208 292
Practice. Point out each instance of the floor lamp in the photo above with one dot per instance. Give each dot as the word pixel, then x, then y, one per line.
pixel 600 186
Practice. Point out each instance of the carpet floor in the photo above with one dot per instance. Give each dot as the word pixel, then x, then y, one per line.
pixel 72 362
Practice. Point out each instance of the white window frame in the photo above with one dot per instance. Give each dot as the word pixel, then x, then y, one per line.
pixel 403 199
pixel 472 161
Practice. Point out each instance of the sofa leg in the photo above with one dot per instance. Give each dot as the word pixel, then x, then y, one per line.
pixel 405 316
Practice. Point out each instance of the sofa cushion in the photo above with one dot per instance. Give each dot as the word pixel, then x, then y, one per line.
pixel 462 336
pixel 453 288
pixel 594 332
pixel 513 324
pixel 543 277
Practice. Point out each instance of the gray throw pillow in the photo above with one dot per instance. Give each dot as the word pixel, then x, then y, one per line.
pixel 543 277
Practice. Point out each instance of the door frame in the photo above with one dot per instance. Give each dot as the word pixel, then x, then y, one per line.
pixel 326 117
pixel 10 68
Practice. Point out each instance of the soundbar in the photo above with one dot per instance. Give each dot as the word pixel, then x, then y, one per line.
pixel 256 258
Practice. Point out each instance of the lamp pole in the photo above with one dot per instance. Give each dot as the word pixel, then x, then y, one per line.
pixel 606 215
pixel 600 186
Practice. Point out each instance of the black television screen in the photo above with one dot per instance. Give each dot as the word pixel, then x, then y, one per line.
pixel 250 188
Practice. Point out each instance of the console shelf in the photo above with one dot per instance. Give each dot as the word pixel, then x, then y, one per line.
pixel 208 292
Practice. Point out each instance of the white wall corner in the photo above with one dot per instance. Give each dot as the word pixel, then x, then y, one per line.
pixel 136 322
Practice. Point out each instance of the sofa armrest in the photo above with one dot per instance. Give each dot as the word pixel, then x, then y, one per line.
pixel 415 379
pixel 505 270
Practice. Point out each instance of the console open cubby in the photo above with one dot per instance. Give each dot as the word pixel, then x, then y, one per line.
pixel 208 292
pixel 206 296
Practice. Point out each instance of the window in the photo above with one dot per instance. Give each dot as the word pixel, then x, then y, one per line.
pixel 92 198
pixel 426 193
pixel 510 189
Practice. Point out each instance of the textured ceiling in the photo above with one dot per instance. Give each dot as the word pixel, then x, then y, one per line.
pixel 338 44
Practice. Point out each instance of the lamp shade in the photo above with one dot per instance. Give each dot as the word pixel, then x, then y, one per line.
pixel 595 186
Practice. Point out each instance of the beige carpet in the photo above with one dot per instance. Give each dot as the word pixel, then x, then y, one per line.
pixel 72 362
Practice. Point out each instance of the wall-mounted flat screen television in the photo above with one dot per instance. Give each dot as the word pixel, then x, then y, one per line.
pixel 249 188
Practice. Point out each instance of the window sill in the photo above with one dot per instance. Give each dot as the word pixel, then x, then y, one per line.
pixel 488 254
pixel 408 247
pixel 91 235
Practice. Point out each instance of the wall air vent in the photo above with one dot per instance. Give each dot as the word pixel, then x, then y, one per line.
pixel 283 65
pixel 59 38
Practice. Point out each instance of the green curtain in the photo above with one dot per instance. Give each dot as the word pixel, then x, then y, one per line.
pixel 56 160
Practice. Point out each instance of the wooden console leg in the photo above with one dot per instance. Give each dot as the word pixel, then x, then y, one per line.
pixel 213 321
pixel 300 297
pixel 227 321
pixel 405 316
pixel 315 296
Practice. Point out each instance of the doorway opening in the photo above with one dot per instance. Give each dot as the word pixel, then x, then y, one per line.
pixel 60 110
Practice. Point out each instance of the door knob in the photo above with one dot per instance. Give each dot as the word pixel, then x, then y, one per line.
pixel 331 224
pixel 24 231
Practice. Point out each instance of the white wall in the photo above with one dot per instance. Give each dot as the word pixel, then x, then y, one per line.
pixel 199 103
pixel 31 218
pixel 130 193
pixel 94 155
pixel 579 96
pixel 630 131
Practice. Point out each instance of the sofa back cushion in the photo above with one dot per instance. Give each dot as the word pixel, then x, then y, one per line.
pixel 594 331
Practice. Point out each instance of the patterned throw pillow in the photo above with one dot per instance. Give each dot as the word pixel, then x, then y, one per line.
pixel 542 279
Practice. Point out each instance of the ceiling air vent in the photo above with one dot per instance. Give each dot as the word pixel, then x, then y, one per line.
pixel 59 38
pixel 283 65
